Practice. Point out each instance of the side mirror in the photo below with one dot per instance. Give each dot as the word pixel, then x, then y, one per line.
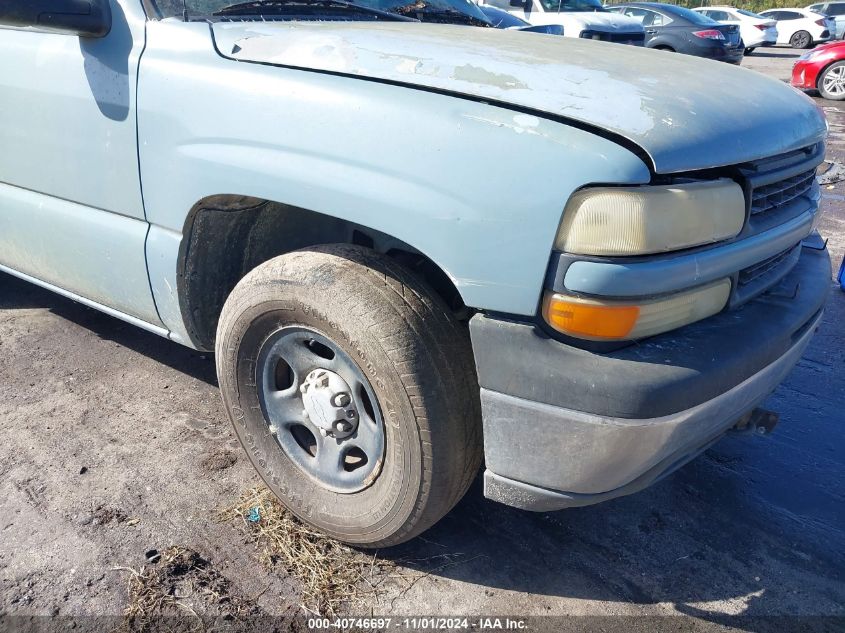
pixel 86 18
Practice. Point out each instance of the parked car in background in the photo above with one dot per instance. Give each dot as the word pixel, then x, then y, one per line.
pixel 822 69
pixel 835 10
pixel 800 28
pixel 754 30
pixel 673 28
pixel 504 20
pixel 586 19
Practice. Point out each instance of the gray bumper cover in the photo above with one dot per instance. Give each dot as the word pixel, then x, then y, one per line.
pixel 543 456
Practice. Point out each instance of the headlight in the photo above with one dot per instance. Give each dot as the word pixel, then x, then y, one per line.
pixel 599 320
pixel 652 219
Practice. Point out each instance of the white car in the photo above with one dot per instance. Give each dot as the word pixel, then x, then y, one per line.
pixel 835 11
pixel 800 28
pixel 754 29
pixel 586 19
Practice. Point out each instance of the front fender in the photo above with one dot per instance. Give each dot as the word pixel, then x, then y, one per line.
pixel 476 188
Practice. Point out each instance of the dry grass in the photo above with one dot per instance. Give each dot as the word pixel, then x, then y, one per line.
pixel 333 576
pixel 182 592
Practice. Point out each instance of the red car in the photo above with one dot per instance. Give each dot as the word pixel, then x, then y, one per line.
pixel 822 69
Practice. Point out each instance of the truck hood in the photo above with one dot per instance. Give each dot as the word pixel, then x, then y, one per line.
pixel 685 113
pixel 612 22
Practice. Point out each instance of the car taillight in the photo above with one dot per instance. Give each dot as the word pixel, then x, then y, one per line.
pixel 709 34
pixel 762 27
pixel 821 22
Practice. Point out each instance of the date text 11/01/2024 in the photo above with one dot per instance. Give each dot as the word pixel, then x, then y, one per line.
pixel 420 623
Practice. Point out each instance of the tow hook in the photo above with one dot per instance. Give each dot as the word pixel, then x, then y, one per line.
pixel 757 422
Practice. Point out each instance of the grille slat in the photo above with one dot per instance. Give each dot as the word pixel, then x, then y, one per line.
pixel 777 194
pixel 748 275
pixel 780 189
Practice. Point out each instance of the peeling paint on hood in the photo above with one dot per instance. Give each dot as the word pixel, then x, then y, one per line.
pixel 685 113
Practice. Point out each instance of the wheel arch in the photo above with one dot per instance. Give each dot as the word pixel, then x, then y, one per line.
pixel 661 43
pixel 227 235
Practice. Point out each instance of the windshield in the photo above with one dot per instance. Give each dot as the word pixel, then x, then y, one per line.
pixel 573 5
pixel 750 14
pixel 442 9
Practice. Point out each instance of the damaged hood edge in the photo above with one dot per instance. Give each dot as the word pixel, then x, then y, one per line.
pixel 685 113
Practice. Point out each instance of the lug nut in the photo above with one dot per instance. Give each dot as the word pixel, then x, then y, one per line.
pixel 323 432
pixel 343 426
pixel 341 399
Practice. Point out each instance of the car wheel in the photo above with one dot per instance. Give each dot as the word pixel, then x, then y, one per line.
pixel 831 82
pixel 749 50
pixel 801 39
pixel 352 388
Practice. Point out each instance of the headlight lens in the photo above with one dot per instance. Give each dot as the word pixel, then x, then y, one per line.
pixel 599 320
pixel 813 54
pixel 653 219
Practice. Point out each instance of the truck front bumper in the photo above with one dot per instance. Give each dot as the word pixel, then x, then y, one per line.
pixel 567 427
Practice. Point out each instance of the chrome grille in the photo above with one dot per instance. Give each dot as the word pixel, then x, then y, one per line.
pixel 777 194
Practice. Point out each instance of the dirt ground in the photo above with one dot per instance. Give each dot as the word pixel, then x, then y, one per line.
pixel 114 443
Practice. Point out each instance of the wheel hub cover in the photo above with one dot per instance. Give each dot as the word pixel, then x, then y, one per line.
pixel 328 403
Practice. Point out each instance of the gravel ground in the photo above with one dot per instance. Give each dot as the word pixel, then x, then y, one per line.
pixel 115 443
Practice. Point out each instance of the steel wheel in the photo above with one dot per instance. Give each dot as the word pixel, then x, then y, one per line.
pixel 321 409
pixel 800 39
pixel 831 83
pixel 352 388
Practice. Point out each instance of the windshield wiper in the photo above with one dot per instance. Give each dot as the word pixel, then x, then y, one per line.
pixel 278 7
pixel 451 16
pixel 426 13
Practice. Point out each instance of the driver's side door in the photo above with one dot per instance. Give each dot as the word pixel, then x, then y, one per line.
pixel 71 211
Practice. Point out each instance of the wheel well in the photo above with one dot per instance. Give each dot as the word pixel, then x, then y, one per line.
pixel 226 236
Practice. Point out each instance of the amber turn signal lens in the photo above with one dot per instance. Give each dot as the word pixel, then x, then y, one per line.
pixel 610 320
pixel 590 321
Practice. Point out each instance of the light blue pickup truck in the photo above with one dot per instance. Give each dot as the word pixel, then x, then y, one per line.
pixel 413 242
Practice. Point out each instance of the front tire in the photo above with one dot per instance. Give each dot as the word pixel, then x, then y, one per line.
pixel 801 39
pixel 831 82
pixel 346 319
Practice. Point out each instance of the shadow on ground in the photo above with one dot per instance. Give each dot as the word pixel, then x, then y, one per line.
pixel 16 294
pixel 771 54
